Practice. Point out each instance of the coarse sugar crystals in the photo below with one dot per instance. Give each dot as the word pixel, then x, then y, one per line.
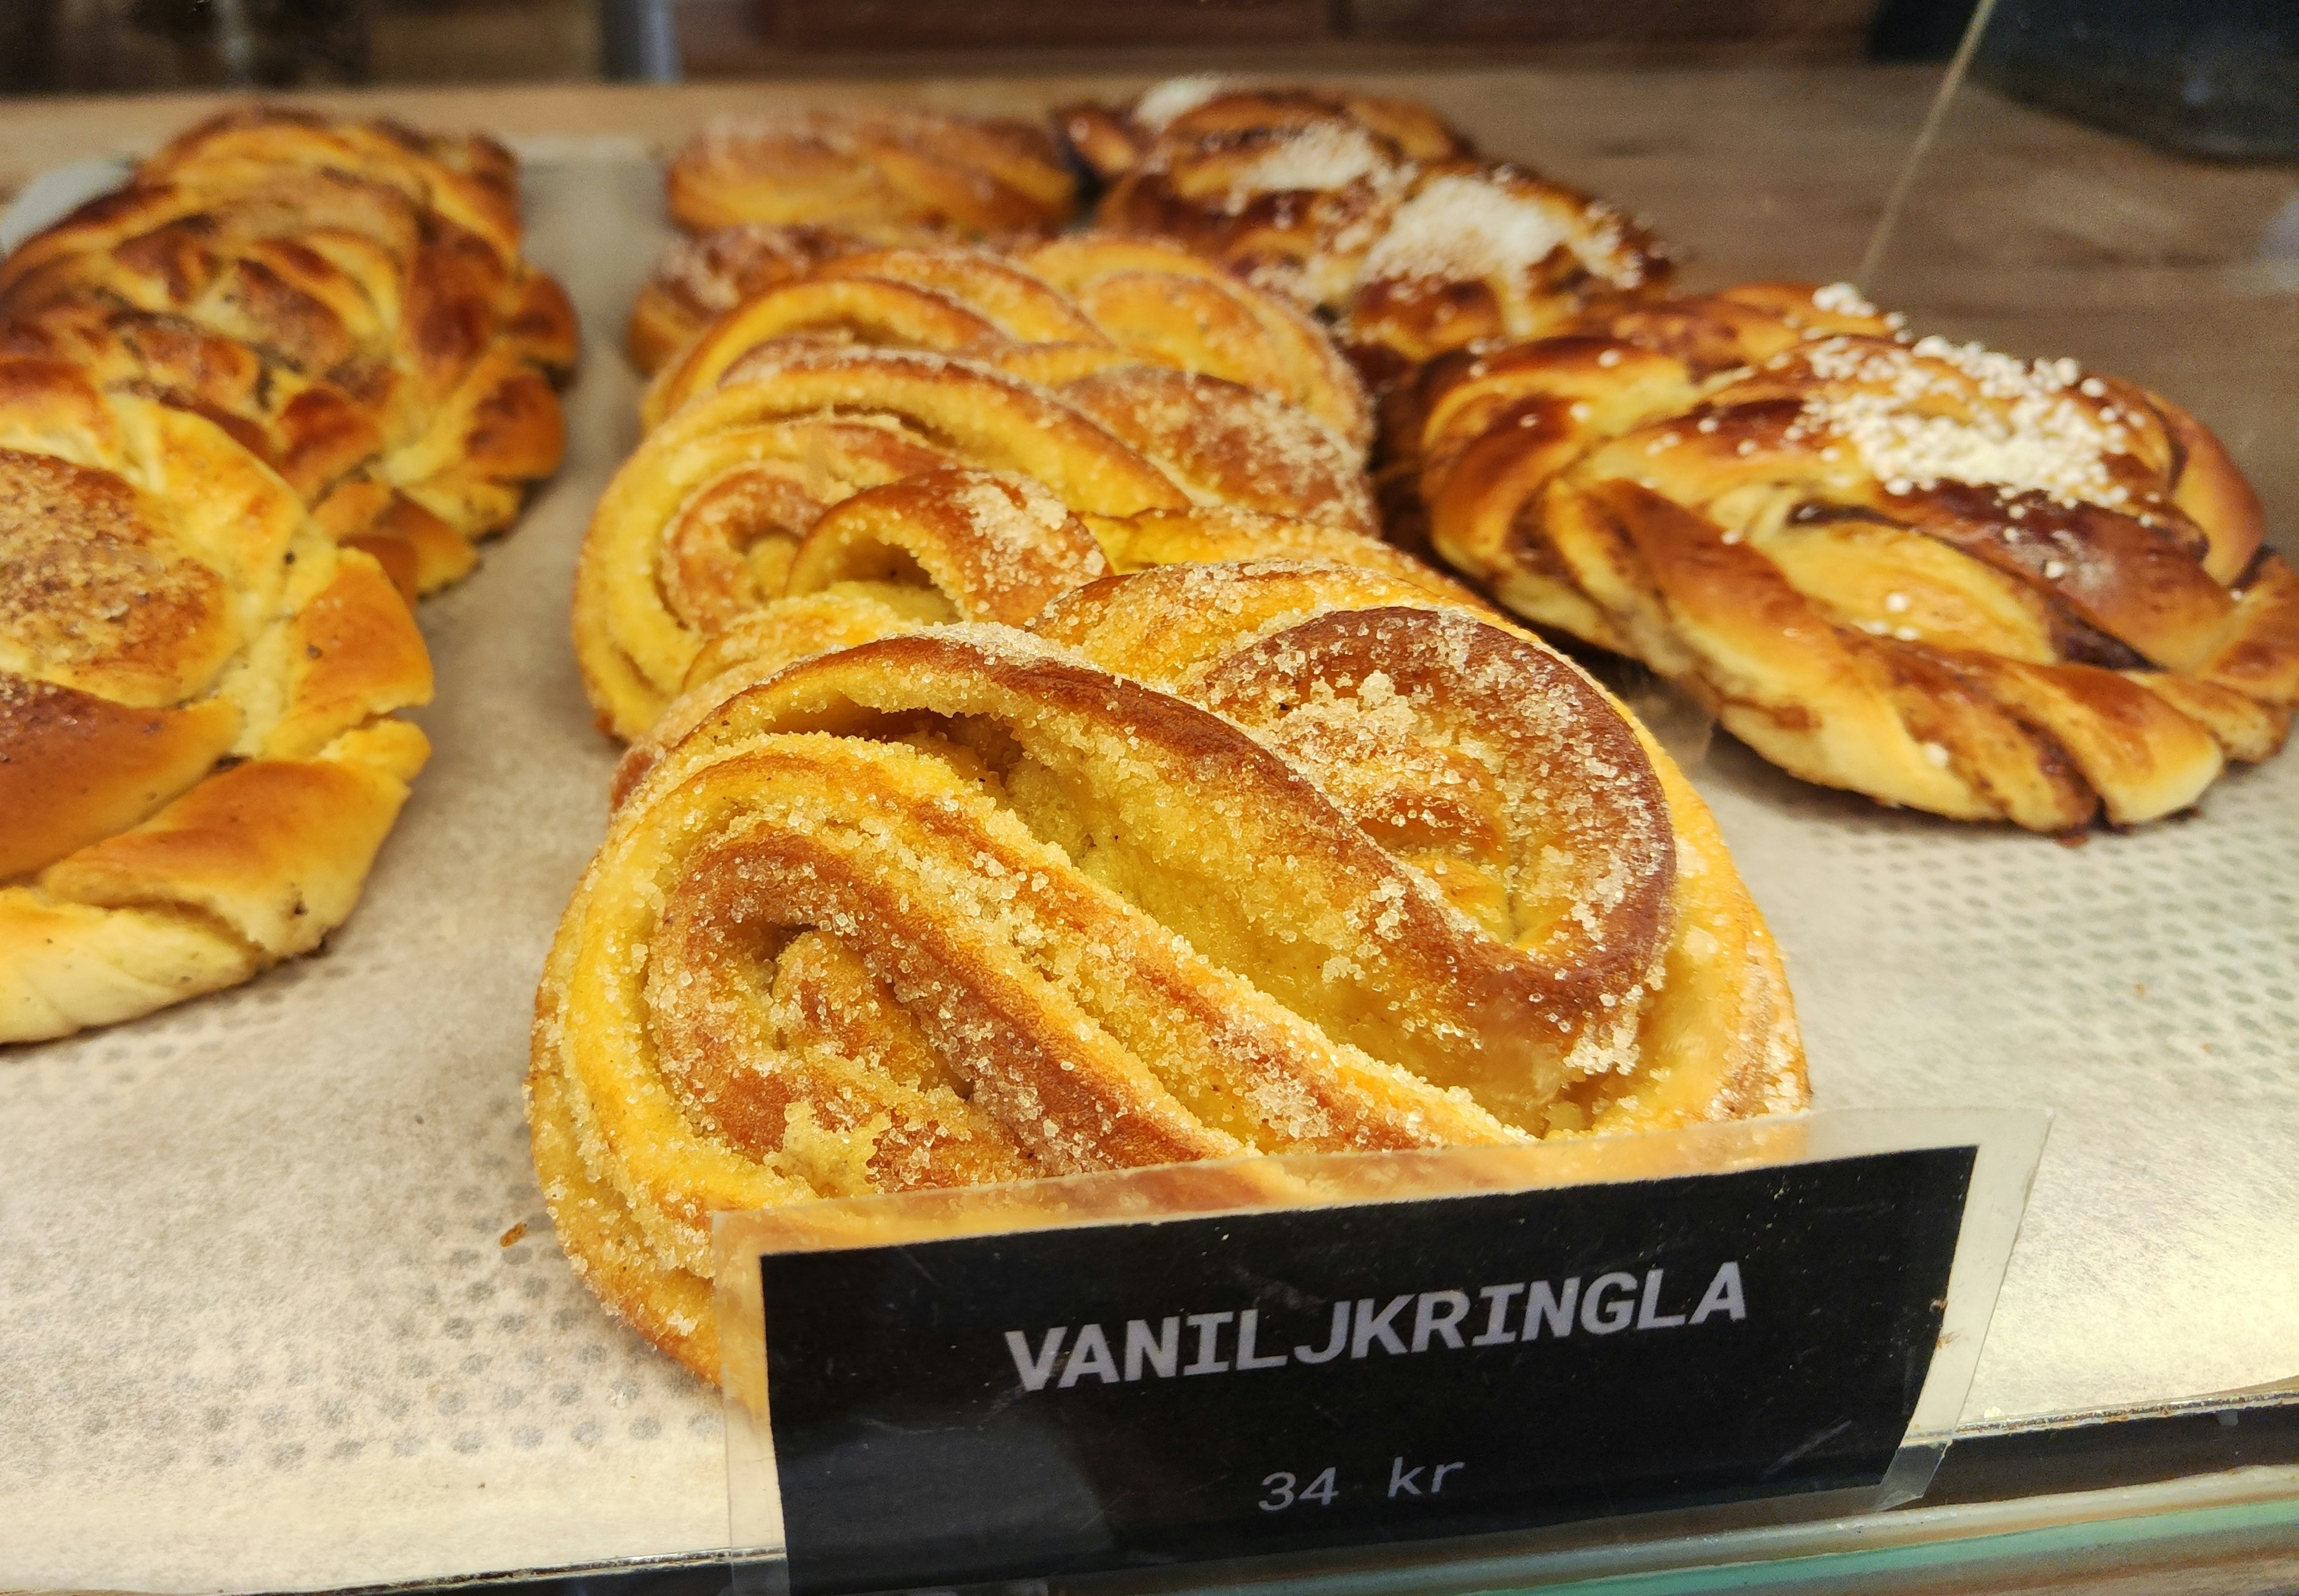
pixel 1937 410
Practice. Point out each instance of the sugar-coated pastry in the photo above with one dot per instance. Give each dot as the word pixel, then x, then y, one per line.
pixel 700 276
pixel 707 519
pixel 1374 211
pixel 1212 861
pixel 1051 313
pixel 1992 588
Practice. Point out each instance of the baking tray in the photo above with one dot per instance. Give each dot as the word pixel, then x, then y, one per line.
pixel 280 1308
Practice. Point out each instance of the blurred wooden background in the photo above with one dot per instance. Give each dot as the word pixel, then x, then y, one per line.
pixel 82 46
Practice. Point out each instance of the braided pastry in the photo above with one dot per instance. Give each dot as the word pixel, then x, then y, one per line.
pixel 1222 859
pixel 1054 313
pixel 704 522
pixel 919 169
pixel 1373 210
pixel 1989 588
pixel 470 179
pixel 198 756
pixel 347 298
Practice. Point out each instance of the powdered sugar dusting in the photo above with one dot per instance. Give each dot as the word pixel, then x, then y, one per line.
pixel 1175 98
pixel 1472 227
pixel 1321 157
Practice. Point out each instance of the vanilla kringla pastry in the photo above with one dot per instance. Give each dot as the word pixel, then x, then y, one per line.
pixel 1991 588
pixel 1212 860
pixel 700 276
pixel 889 167
pixel 709 520
pixel 198 757
pixel 958 543
pixel 1052 312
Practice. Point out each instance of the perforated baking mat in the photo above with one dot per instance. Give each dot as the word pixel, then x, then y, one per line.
pixel 268 1319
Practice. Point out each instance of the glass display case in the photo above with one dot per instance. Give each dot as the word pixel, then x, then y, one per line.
pixel 281 1305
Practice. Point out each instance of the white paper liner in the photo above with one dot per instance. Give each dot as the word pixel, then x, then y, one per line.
pixel 257 1331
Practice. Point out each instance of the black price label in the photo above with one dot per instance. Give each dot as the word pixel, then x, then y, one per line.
pixel 1071 1400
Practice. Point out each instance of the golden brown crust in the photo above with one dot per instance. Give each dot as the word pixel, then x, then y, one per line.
pixel 700 277
pixel 1053 314
pixel 1158 302
pixel 1935 575
pixel 467 178
pixel 1227 445
pixel 75 767
pixel 1373 209
pixel 976 177
pixel 197 752
pixel 701 523
pixel 1114 141
pixel 1207 535
pixel 347 299
pixel 960 905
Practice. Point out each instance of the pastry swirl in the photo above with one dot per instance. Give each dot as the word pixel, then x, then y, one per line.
pixel 1214 860
pixel 1053 313
pixel 701 525
pixel 889 167
pixel 961 544
pixel 1989 588
pixel 700 276
pixel 198 759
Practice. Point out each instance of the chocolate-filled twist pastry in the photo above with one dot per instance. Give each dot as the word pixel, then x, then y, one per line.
pixel 1216 860
pixel 198 759
pixel 1051 312
pixel 1374 211
pixel 888 167
pixel 347 299
pixel 704 522
pixel 1987 587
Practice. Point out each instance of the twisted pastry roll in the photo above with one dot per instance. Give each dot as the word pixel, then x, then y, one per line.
pixel 1053 314
pixel 348 299
pixel 1374 211
pixel 1158 302
pixel 198 756
pixel 699 277
pixel 703 523
pixel 888 167
pixel 1989 588
pixel 958 544
pixel 946 299
pixel 1221 861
